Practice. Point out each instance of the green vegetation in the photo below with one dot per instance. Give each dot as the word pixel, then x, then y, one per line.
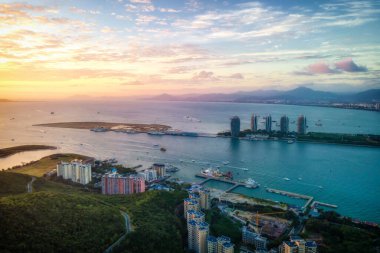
pixel 56 222
pixel 220 224
pixel 13 183
pixel 352 139
pixel 105 167
pixel 338 238
pixel 46 164
pixel 4 152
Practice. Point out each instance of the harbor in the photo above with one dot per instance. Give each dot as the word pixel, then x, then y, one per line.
pixel 234 184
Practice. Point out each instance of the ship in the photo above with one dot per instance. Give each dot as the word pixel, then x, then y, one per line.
pixel 156 133
pixel 211 172
pixel 286 179
pixel 250 183
pixel 290 141
pixel 163 149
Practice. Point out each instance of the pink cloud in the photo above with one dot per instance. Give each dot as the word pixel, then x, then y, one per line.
pixel 319 68
pixel 350 66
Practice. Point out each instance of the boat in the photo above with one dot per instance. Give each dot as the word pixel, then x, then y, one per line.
pixel 156 145
pixel 286 179
pixel 211 172
pixel 250 183
pixel 300 178
pixel 181 161
pixel 163 149
pixel 52 113
pixel 290 141
pixel 320 187
pixel 226 162
pixel 193 161
pixel 245 169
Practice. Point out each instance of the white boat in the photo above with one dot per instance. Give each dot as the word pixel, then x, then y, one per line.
pixel 226 162
pixel 286 179
pixel 156 133
pixel 290 141
pixel 250 183
pixel 156 145
pixel 320 187
pixel 193 161
pixel 245 169
pixel 300 178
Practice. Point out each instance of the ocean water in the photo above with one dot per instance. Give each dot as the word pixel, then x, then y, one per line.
pixel 347 176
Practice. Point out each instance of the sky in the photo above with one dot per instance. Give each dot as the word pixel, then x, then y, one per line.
pixel 131 48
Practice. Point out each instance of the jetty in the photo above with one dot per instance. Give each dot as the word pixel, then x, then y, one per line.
pixel 234 184
pixel 318 203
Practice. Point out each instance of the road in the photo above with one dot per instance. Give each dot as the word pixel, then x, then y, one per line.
pixel 128 229
pixel 29 186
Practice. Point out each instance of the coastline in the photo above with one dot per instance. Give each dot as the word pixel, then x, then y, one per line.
pixel 5 152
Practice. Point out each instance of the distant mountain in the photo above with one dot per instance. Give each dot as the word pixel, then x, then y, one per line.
pixel 300 95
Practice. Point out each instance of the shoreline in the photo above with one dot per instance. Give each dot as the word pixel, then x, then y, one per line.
pixel 6 152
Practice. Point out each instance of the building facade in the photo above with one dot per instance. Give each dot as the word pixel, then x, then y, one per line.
pixel 160 169
pixel 301 125
pixel 254 120
pixel 113 183
pixel 250 237
pixel 284 124
pixel 204 199
pixel 75 171
pixel 298 245
pixel 268 123
pixel 235 126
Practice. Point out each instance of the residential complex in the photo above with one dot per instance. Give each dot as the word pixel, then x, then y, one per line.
pixel 198 230
pixel 160 169
pixel 250 237
pixel 114 183
pixel 76 171
pixel 235 126
pixel 298 245
pixel 149 175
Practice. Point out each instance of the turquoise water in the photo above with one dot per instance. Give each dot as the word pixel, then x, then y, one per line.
pixel 349 175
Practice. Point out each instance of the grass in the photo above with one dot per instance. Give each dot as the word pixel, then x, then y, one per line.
pixel 46 164
pixel 4 152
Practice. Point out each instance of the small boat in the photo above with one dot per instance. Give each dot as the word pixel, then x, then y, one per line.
pixel 52 113
pixel 290 141
pixel 320 187
pixel 226 162
pixel 286 179
pixel 163 149
pixel 193 161
pixel 181 161
pixel 156 145
pixel 300 178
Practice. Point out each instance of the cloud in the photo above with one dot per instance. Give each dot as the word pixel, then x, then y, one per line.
pixel 132 83
pixel 236 76
pixel 205 76
pixel 345 65
pixel 141 1
pixel 349 65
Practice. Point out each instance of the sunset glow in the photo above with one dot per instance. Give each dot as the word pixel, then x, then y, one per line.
pixel 122 48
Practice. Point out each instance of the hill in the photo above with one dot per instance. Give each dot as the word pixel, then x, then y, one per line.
pixel 300 95
pixel 13 183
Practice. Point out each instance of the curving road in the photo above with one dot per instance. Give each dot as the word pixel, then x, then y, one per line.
pixel 29 186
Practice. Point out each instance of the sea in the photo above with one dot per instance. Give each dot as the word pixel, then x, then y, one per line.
pixel 343 175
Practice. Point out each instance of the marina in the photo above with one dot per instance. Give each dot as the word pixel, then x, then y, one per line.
pixel 235 184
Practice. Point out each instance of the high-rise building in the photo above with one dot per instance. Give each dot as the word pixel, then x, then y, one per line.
pixel 113 183
pixel 75 171
pixel 212 244
pixel 301 125
pixel 204 199
pixel 149 175
pixel 197 216
pixel 160 169
pixel 254 120
pixel 221 240
pixel 250 237
pixel 284 124
pixel 197 236
pixel 268 124
pixel 228 247
pixel 235 126
pixel 190 204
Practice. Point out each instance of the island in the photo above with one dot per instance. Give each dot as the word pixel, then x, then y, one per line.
pixel 4 152
pixel 314 137
pixel 109 126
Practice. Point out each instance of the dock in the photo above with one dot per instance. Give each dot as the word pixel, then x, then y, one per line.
pixel 318 203
pixel 235 184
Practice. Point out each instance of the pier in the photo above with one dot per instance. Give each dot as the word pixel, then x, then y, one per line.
pixel 317 203
pixel 235 184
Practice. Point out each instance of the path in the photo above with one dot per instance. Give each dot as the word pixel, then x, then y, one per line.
pixel 29 186
pixel 128 229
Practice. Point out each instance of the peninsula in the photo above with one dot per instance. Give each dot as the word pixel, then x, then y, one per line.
pixel 4 152
pixel 109 126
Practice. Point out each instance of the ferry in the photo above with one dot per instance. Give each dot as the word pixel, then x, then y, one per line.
pixel 210 172
pixel 286 179
pixel 250 183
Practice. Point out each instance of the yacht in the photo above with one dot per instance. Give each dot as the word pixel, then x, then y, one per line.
pixel 290 141
pixel 245 169
pixel 226 162
pixel 250 183
pixel 286 179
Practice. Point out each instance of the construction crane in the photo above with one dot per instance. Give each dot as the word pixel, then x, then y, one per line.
pixel 257 218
